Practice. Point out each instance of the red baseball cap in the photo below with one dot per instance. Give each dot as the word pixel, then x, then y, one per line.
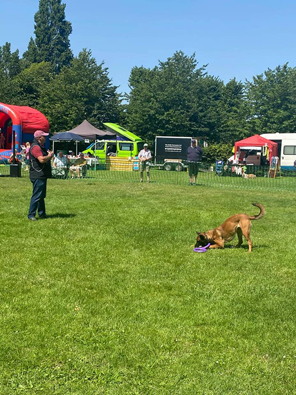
pixel 40 133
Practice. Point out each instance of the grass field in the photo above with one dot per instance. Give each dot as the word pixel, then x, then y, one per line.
pixel 107 296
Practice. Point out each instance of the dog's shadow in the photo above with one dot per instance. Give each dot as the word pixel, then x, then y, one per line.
pixel 244 247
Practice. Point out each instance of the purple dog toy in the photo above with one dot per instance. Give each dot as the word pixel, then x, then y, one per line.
pixel 202 249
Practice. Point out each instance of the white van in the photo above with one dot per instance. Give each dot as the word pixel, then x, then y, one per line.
pixel 286 148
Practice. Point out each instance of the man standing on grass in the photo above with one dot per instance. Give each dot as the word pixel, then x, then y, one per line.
pixel 145 156
pixel 194 153
pixel 40 171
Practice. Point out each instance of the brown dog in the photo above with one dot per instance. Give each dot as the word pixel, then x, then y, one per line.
pixel 239 224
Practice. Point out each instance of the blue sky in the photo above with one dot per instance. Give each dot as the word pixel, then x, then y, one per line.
pixel 240 39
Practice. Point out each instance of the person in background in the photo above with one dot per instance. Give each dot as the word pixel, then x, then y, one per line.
pixel 61 161
pixel 27 150
pixel 40 171
pixel 194 154
pixel 60 165
pixel 144 157
pixel 2 140
pixel 77 167
pixel 17 160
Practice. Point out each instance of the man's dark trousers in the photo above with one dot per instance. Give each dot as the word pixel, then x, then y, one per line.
pixel 37 199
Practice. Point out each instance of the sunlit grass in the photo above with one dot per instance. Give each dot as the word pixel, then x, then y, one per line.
pixel 107 295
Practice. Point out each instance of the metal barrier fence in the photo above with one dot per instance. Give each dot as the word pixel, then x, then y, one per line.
pixel 257 177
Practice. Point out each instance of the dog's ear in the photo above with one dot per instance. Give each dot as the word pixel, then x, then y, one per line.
pixel 202 236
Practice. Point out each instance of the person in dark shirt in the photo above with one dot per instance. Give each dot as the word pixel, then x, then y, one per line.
pixel 40 171
pixel 194 154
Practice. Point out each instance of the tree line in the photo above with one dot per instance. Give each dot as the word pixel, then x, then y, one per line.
pixel 177 97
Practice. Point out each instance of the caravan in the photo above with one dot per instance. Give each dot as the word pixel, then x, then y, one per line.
pixel 286 148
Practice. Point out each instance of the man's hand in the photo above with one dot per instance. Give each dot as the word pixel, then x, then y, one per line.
pixel 44 159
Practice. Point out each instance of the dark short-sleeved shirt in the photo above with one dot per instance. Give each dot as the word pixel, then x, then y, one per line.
pixel 194 154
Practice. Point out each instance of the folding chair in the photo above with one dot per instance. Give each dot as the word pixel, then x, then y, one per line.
pixel 60 172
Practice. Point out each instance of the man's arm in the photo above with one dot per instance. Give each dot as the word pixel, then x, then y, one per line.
pixel 47 158
pixel 38 154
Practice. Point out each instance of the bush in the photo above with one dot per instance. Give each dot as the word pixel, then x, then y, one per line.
pixel 217 152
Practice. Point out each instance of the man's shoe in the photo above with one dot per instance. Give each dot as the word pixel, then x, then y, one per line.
pixel 43 216
pixel 32 219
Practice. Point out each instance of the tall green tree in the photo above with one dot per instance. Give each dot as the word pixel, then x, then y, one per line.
pixel 175 98
pixel 233 113
pixel 9 61
pixel 52 33
pixel 5 83
pixel 272 101
pixel 81 91
pixel 31 55
pixel 28 85
pixel 208 95
pixel 10 66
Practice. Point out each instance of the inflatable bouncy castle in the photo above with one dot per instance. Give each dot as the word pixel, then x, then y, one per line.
pixel 23 121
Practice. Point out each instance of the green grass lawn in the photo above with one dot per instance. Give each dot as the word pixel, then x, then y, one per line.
pixel 107 296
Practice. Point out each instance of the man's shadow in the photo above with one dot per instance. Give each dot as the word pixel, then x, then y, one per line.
pixel 60 215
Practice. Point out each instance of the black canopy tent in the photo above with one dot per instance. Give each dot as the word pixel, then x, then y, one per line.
pixel 66 136
pixel 88 131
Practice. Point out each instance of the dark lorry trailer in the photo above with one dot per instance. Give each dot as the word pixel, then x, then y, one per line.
pixel 171 152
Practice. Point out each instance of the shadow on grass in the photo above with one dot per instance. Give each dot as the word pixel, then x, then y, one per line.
pixel 60 215
pixel 245 246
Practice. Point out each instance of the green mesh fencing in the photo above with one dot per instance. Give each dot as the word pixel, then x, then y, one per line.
pixel 230 177
pixel 4 170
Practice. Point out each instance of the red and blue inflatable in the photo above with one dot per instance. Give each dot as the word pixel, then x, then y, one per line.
pixel 21 120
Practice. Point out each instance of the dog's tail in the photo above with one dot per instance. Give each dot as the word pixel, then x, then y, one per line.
pixel 262 211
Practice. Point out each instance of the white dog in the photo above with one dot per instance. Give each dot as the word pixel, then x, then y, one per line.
pixel 249 175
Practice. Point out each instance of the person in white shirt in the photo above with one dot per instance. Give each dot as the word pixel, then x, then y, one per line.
pixel 60 164
pixel 60 161
pixel 144 157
